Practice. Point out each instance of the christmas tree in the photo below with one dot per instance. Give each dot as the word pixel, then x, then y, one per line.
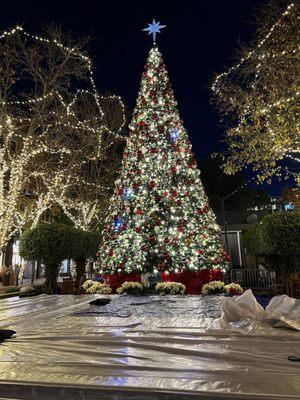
pixel 159 218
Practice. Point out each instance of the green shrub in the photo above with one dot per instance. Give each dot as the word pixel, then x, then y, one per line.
pixel 12 289
pixel 87 244
pixel 281 234
pixel 278 237
pixel 253 240
pixel 277 234
pixel 50 243
pixel 53 243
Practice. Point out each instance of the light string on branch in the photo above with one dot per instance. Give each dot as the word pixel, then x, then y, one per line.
pixel 15 210
pixel 239 188
pixel 215 86
pixel 266 118
pixel 87 60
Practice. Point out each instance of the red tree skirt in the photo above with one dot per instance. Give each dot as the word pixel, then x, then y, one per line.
pixel 116 280
pixel 194 281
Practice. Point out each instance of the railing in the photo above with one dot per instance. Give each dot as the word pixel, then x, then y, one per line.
pixel 254 278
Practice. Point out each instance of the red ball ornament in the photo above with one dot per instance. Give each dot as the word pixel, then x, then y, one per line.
pixel 139 211
pixel 151 238
pixel 142 123
pixel 166 240
pixel 121 266
pixel 165 255
pixel 174 193
pixel 180 229
pixel 121 192
pixel 111 253
pixel 173 170
pixel 135 186
pixel 226 257
pixel 138 230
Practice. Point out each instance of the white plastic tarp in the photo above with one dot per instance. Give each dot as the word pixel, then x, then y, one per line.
pixel 141 348
pixel 283 311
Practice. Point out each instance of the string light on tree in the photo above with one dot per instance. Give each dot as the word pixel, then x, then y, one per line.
pixel 169 224
pixel 260 94
pixel 32 121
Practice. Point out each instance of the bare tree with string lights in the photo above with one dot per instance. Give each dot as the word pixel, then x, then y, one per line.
pixel 56 131
pixel 259 96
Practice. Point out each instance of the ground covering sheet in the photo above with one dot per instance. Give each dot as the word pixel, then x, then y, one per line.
pixel 149 347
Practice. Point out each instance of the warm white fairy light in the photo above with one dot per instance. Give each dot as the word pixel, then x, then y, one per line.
pixel 215 86
pixel 264 114
pixel 19 29
pixel 12 217
pixel 159 218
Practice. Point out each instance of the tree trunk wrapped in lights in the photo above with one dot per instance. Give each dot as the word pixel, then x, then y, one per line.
pixel 159 218
pixel 259 98
pixel 53 127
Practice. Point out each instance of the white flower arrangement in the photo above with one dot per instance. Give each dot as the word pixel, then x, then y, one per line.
pixel 170 288
pixel 87 284
pixel 98 288
pixel 214 287
pixel 130 287
pixel 233 288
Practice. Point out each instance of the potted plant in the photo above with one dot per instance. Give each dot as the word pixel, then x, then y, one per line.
pixel 174 288
pixel 213 287
pixel 133 288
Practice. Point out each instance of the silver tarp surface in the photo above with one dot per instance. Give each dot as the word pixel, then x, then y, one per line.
pixel 141 348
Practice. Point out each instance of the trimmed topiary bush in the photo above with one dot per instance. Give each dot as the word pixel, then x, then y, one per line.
pixel 86 247
pixel 253 240
pixel 50 243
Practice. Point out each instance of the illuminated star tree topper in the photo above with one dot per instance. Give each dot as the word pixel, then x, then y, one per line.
pixel 153 29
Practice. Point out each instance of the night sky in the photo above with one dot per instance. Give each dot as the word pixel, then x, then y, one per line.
pixel 200 39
